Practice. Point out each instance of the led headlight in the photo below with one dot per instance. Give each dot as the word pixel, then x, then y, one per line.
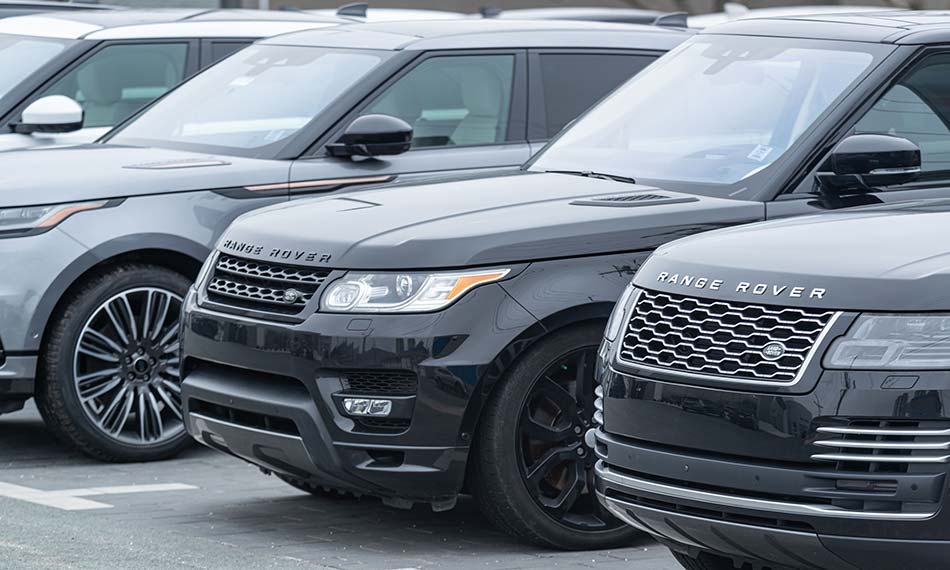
pixel 893 342
pixel 618 316
pixel 402 292
pixel 27 218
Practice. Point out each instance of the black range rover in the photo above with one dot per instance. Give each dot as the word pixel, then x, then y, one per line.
pixel 777 394
pixel 439 339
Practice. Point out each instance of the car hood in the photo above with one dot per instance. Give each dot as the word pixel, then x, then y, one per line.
pixel 96 171
pixel 477 221
pixel 888 258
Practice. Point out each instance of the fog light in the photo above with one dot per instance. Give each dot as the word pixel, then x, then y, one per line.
pixel 367 407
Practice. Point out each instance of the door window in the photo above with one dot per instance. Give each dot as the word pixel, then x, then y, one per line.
pixel 453 100
pixel 918 108
pixel 118 80
pixel 573 82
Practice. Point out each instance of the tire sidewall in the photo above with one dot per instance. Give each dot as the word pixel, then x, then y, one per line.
pixel 68 325
pixel 498 436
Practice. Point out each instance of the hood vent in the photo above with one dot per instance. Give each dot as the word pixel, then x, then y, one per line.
pixel 173 164
pixel 633 200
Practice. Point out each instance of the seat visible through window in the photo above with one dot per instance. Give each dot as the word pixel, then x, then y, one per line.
pixel 453 100
pixel 119 80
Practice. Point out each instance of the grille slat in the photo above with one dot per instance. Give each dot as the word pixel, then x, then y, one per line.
pixel 721 338
pixel 256 285
pixel 875 445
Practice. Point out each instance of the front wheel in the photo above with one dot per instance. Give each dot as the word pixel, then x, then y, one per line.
pixel 533 473
pixel 109 382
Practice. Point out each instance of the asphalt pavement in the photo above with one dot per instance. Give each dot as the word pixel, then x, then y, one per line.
pixel 59 509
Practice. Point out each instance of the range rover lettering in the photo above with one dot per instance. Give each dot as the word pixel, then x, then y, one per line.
pixel 100 242
pixel 448 344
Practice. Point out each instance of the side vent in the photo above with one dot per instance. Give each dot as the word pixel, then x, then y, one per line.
pixel 633 200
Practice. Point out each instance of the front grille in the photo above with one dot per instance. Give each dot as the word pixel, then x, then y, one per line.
pixel 261 286
pixel 379 382
pixel 884 446
pixel 719 338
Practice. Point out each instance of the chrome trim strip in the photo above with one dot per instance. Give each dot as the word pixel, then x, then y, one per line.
pixel 881 458
pixel 730 380
pixel 215 421
pixel 903 445
pixel 803 509
pixel 883 431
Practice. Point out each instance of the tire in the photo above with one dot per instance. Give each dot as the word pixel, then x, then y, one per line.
pixel 705 561
pixel 139 387
pixel 316 490
pixel 506 451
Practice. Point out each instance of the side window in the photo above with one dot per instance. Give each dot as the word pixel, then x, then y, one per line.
pixel 221 50
pixel 118 80
pixel 572 83
pixel 453 100
pixel 917 108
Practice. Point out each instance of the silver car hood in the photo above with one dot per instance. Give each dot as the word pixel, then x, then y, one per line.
pixel 97 171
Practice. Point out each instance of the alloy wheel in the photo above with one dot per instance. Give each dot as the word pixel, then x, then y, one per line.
pixel 125 367
pixel 556 466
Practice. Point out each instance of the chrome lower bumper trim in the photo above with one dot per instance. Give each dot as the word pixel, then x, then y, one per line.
pixel 708 497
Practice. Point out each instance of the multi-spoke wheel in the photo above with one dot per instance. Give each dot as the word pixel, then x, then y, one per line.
pixel 125 366
pixel 534 474
pixel 110 382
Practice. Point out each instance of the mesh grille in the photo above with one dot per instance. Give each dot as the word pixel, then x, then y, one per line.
pixel 706 337
pixel 256 285
pixel 379 382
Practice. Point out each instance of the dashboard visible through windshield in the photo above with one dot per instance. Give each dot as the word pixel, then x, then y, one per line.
pixel 717 111
pixel 250 103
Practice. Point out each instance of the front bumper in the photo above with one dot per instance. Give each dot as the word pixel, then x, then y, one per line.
pixel 269 392
pixel 733 472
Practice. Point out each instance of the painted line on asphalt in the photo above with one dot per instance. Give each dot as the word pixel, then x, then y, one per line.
pixel 72 499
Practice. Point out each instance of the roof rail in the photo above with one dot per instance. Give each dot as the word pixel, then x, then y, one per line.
pixel 673 20
pixel 353 10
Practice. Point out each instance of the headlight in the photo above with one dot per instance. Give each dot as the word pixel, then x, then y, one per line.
pixel 893 342
pixel 40 218
pixel 402 292
pixel 617 317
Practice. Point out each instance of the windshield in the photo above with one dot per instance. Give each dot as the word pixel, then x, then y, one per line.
pixel 252 101
pixel 20 56
pixel 715 112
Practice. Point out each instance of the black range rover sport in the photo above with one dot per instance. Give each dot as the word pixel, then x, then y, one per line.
pixel 439 339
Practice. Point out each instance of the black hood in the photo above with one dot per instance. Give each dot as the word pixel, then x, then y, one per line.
pixel 890 258
pixel 480 221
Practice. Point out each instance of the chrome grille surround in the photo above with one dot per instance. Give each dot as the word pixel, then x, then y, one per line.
pixel 721 340
pixel 249 284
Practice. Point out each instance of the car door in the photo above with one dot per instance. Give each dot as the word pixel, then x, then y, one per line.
pixel 564 83
pixel 111 83
pixel 468 113
pixel 914 106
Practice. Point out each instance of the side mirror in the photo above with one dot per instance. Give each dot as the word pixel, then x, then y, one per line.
pixel 52 114
pixel 861 163
pixel 373 135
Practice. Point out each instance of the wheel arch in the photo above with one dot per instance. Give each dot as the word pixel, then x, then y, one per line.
pixel 178 254
pixel 569 317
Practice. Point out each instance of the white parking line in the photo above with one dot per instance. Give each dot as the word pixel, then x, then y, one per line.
pixel 71 499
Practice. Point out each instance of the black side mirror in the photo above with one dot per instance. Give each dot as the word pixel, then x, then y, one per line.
pixel 373 135
pixel 862 163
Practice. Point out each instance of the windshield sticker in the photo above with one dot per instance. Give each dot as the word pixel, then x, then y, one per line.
pixel 760 152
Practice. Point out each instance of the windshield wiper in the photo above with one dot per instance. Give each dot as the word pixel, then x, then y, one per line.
pixel 600 175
